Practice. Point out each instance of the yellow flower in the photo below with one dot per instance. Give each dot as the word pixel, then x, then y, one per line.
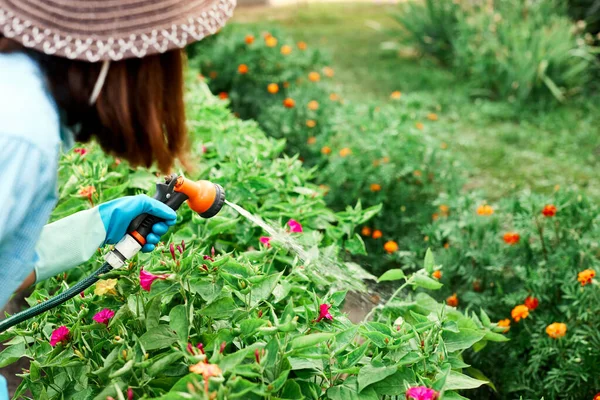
pixel 106 286
pixel 273 88
pixel 586 276
pixel 485 209
pixel 556 330
pixel 285 49
pixel 328 71
pixel 519 312
pixel 334 97
pixel 504 323
pixel 432 117
pixel 326 150
pixel 419 126
pixel 271 41
pixel 302 45
pixel 312 140
pixel 313 105
pixel 314 77
pixel 345 152
pixel 311 123
pixel 395 95
pixel 390 247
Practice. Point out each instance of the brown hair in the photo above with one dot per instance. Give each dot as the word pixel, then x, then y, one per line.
pixel 139 114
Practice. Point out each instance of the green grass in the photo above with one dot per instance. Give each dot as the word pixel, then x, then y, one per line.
pixel 505 148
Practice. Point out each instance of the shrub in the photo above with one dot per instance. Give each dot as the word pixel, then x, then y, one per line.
pixel 243 320
pixel 523 251
pixel 511 49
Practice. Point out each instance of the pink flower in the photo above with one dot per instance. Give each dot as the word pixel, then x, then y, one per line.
pixel 104 316
pixel 129 394
pixel 183 245
pixel 147 279
pixel 200 347
pixel 190 348
pixel 222 349
pixel 421 393
pixel 265 240
pixel 257 356
pixel 172 250
pixel 295 226
pixel 324 312
pixel 81 151
pixel 59 335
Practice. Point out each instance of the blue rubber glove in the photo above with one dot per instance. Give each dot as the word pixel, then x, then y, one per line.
pixel 3 389
pixel 118 214
pixel 73 240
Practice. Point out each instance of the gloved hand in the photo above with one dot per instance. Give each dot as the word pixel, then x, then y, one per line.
pixel 3 389
pixel 117 215
pixel 73 240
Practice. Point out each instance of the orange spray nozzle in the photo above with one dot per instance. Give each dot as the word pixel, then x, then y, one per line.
pixel 204 197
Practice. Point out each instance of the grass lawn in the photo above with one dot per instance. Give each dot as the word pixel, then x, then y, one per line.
pixel 504 148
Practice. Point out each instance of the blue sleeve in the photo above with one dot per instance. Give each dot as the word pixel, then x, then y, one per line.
pixel 3 389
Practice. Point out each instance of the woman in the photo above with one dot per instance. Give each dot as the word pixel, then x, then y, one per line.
pixel 77 70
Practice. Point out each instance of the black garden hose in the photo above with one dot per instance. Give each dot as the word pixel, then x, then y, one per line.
pixel 56 300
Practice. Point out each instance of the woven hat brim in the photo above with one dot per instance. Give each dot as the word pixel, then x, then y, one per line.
pixel 111 29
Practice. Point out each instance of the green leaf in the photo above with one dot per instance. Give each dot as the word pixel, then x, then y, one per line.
pixel 179 322
pixel 477 374
pixel 159 337
pixel 495 337
pixel 429 262
pixel 310 340
pixel 453 396
pixel 153 313
pixel 485 320
pixel 263 289
pixel 462 340
pixel 425 282
pixel 392 275
pixel 239 387
pixel 394 384
pixel 230 361
pixel 348 390
pixel 250 326
pixel 12 354
pixel 458 381
pixel 291 391
pixel 370 374
pixel 207 289
pixel 220 309
pixel 280 381
pixel 355 245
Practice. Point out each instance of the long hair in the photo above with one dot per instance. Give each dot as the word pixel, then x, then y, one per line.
pixel 139 115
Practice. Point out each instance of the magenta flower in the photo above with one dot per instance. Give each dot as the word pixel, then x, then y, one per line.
pixel 265 240
pixel 81 151
pixel 222 348
pixel 59 335
pixel 104 316
pixel 190 348
pixel 295 226
pixel 324 312
pixel 421 393
pixel 129 394
pixel 200 347
pixel 257 356
pixel 172 250
pixel 147 279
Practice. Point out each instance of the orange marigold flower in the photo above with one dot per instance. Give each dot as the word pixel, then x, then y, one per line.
pixel 375 187
pixel 326 150
pixel 328 71
pixel 437 274
pixel 390 247
pixel 273 88
pixel 377 234
pixel 511 238
pixel 452 301
pixel 289 103
pixel 243 69
pixel 444 209
pixel 435 216
pixel 419 126
pixel 549 210
pixel 385 159
pixel 444 145
pixel 395 95
pixel 223 96
pixel 312 140
pixel 586 276
pixel 249 39
pixel 213 74
pixel 504 323
pixel 302 45
pixel 271 41
pixel 417 173
pixel 556 330
pixel 485 209
pixel 432 116
pixel 447 245
pixel 285 49
pixel 345 152
pixel 311 123
pixel 519 312
pixel 286 85
pixel 597 396
pixel 376 163
pixel 334 97
pixel 314 76
pixel 366 231
pixel 313 105
pixel 324 188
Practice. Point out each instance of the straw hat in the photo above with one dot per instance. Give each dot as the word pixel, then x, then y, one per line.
pixel 98 30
